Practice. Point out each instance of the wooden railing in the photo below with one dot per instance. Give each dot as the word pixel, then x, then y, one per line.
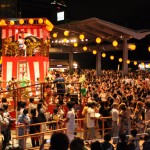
pixel 80 130
pixel 23 93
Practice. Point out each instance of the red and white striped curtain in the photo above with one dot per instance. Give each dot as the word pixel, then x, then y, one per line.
pixel 14 66
pixel 34 31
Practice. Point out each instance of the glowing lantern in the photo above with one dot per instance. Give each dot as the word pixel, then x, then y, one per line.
pixel 84 48
pixel 115 43
pixel 98 40
pixel 135 62
pixel 112 57
pixel 65 40
pixel 128 61
pixel 49 28
pixel 21 21
pixel 142 64
pixel 94 52
pixel 149 64
pixel 31 21
pixel 66 33
pixel 120 59
pixel 103 55
pixel 75 44
pixel 12 22
pixel 3 22
pixel 47 22
pixel 149 48
pixel 40 20
pixel 132 46
pixel 81 36
pixel 54 35
pixel 0 61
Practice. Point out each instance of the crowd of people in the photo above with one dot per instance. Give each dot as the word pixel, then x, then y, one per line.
pixel 125 98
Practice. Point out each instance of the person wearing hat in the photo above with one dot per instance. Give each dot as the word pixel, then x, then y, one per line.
pixel 115 117
pixel 3 127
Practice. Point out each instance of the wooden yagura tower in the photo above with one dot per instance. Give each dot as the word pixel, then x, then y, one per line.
pixel 25 48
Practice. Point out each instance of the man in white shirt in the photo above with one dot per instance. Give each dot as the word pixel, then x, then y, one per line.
pixel 91 120
pixel 115 115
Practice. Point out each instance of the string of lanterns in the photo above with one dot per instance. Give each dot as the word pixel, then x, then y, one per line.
pixel 27 21
pixel 98 40
pixel 121 60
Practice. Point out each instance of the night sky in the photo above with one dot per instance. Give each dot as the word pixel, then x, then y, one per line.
pixel 132 14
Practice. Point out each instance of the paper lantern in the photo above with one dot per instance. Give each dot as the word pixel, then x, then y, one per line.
pixel 75 44
pixel 112 57
pixel 65 40
pixel 47 22
pixel 103 55
pixel 132 46
pixel 128 61
pixel 31 21
pixel 98 40
pixel 84 48
pixel 3 22
pixel 81 36
pixel 49 28
pixel 94 52
pixel 120 59
pixel 40 20
pixel 11 22
pixel 21 21
pixel 54 35
pixel 143 64
pixel 149 48
pixel 66 32
pixel 135 62
pixel 115 43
